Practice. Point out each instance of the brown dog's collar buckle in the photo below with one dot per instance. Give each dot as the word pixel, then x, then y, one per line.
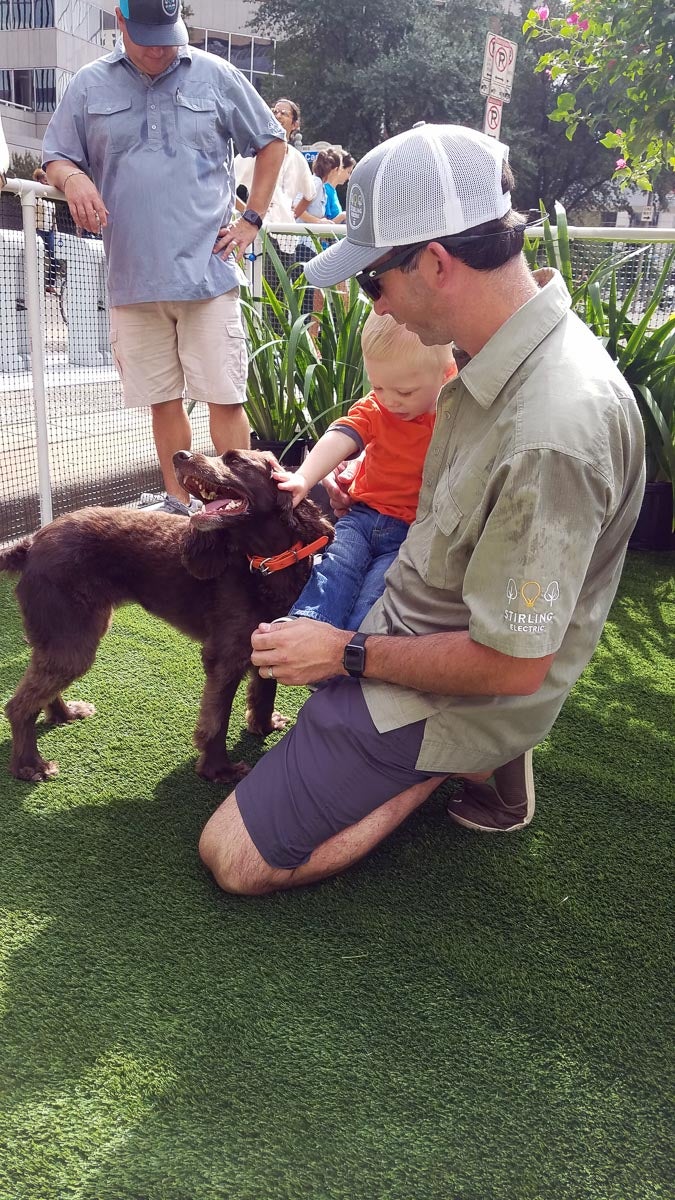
pixel 276 562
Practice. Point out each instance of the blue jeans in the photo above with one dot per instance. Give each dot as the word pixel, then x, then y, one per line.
pixel 350 577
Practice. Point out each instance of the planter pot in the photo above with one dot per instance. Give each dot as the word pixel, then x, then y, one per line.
pixel 654 529
pixel 292 460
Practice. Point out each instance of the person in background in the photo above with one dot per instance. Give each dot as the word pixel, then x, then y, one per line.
pixel 392 426
pixel 532 485
pixel 326 161
pixel 292 194
pixel 45 223
pixel 141 146
pixel 341 175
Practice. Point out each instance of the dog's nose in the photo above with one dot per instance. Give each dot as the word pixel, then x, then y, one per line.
pixel 182 456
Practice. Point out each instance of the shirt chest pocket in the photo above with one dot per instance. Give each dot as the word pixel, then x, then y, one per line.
pixel 195 118
pixel 110 123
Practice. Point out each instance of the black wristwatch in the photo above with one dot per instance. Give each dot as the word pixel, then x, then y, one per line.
pixel 354 657
pixel 252 217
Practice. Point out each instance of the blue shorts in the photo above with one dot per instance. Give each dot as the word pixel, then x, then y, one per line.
pixel 330 770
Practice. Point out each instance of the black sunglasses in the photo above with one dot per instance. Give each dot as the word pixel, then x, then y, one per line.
pixel 368 280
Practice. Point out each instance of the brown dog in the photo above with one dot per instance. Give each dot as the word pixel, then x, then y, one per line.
pixel 195 573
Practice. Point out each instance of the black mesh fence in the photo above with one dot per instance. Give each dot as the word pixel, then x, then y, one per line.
pixel 98 451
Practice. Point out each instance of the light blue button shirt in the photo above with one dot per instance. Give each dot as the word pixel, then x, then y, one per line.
pixel 160 151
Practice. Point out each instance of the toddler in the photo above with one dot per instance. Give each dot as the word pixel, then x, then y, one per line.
pixel 392 426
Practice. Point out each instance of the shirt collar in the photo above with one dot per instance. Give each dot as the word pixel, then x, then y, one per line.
pixel 489 371
pixel 120 53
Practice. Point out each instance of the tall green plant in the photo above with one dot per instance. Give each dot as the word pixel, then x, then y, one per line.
pixel 301 379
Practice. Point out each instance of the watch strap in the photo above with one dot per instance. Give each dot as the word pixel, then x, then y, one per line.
pixel 252 217
pixel 354 656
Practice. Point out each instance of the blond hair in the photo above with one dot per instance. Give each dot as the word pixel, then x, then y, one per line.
pixel 382 338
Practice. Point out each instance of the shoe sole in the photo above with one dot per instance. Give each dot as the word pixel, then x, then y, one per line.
pixel 529 812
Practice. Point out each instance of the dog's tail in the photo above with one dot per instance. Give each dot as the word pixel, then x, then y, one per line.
pixel 14 558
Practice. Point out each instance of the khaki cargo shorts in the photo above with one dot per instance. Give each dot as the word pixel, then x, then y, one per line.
pixel 172 348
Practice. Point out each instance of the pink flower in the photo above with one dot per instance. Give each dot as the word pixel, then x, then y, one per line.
pixel 620 164
pixel 584 25
pixel 619 132
pixel 572 19
pixel 542 12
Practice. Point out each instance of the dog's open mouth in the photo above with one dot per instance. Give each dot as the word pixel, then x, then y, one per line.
pixel 221 501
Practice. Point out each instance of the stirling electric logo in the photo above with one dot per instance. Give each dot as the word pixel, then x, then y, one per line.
pixel 535 618
pixel 170 7
pixel 357 206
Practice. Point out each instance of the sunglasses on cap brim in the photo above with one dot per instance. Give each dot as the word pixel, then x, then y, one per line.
pixel 369 280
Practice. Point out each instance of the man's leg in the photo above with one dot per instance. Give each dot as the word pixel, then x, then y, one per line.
pixel 171 431
pixel 236 865
pixel 229 427
pixel 212 350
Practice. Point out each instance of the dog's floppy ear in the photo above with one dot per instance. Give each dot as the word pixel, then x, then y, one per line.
pixel 205 555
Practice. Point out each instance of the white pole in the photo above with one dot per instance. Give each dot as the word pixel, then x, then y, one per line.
pixel 37 355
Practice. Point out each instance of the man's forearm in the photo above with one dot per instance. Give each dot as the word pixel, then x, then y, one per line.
pixel 452 664
pixel 58 171
pixel 268 162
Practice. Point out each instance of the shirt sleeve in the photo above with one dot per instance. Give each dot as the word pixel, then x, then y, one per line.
pixel 362 418
pixel 65 135
pixel 545 512
pixel 248 120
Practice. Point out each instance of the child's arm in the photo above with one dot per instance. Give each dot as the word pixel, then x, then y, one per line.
pixel 330 450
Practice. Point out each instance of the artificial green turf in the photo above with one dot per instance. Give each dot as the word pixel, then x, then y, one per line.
pixel 460 1017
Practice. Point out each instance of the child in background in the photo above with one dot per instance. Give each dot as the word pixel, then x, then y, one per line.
pixel 393 426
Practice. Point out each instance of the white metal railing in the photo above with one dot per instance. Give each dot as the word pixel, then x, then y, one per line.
pixel 48 398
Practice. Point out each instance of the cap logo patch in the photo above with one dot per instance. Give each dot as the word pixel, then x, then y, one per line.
pixel 170 7
pixel 357 206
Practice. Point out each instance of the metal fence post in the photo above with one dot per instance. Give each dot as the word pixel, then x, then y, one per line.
pixel 37 350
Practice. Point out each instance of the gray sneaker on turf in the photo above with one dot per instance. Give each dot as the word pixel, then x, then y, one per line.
pixel 504 803
pixel 162 502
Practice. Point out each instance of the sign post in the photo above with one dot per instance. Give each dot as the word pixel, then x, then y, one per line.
pixel 499 64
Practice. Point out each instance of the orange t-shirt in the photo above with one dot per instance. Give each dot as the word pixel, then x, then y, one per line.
pixel 390 474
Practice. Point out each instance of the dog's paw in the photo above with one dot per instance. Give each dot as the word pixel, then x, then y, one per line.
pixel 277 721
pixel 221 772
pixel 72 710
pixel 38 772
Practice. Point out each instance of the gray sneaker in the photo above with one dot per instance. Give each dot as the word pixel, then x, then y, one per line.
pixel 162 502
pixel 504 803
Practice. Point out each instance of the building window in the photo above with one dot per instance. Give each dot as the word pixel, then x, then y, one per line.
pixel 33 88
pixel 253 56
pixel 26 14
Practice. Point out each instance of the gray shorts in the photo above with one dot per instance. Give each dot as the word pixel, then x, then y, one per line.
pixel 330 770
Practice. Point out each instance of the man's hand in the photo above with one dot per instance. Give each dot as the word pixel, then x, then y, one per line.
pixel 291 481
pixel 337 485
pixel 235 239
pixel 300 651
pixel 85 203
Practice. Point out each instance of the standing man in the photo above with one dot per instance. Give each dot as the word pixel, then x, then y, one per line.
pixel 532 484
pixel 141 145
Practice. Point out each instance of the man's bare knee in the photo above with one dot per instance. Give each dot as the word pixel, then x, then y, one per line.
pixel 227 851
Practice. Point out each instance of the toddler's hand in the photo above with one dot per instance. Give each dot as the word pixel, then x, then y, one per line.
pixel 291 481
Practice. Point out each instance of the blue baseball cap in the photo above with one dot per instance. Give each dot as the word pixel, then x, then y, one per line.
pixel 154 22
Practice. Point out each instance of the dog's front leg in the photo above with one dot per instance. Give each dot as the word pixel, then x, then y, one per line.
pixel 261 715
pixel 222 681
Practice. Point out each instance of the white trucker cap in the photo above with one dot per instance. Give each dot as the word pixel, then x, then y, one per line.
pixel 430 182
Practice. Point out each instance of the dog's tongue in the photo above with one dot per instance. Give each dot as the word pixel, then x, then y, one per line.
pixel 222 505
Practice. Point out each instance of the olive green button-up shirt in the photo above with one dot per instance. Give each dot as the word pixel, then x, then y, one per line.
pixel 532 485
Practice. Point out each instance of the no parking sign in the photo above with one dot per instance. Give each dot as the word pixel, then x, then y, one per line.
pixel 492 122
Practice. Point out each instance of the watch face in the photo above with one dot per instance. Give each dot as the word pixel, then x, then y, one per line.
pixel 354 658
